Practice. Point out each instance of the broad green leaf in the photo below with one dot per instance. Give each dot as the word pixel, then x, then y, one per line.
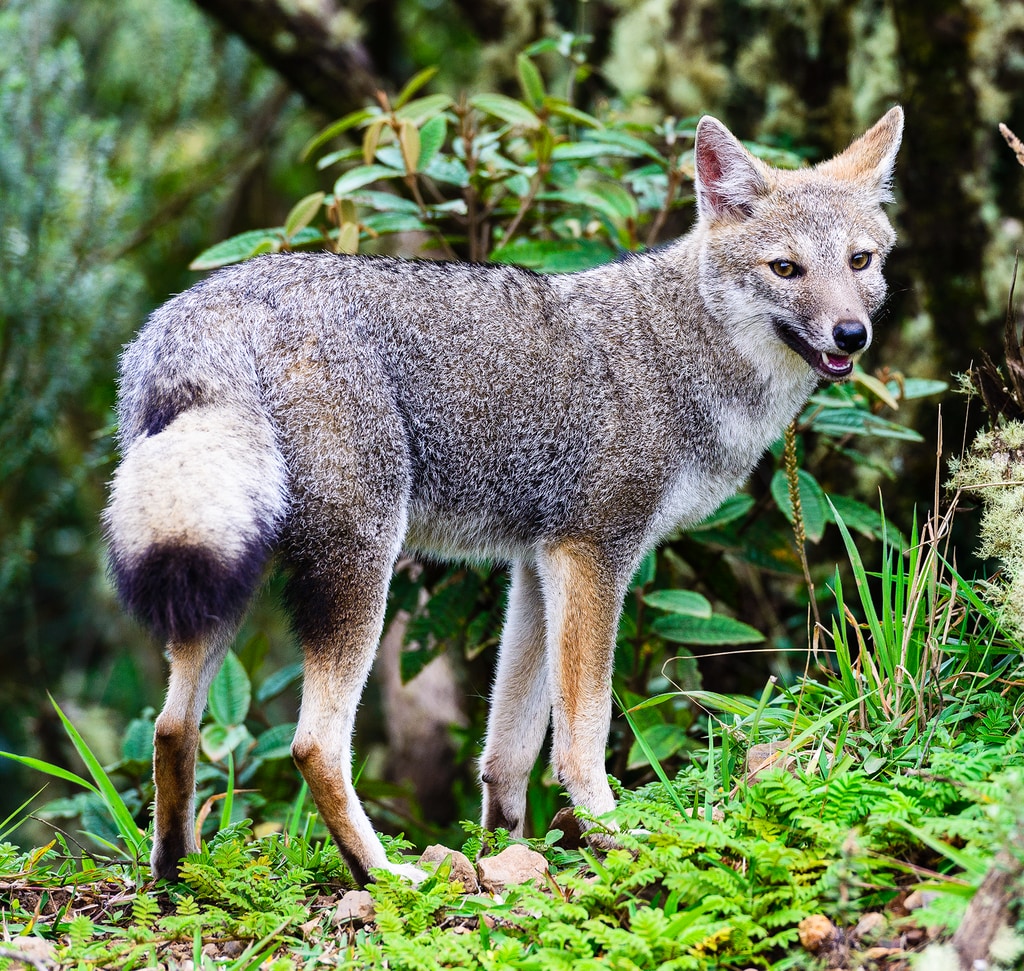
pixel 662 742
pixel 854 421
pixel 432 136
pixel 302 213
pixel 636 146
pixel 449 170
pixel 342 155
pixel 275 683
pixel 395 222
pixel 219 741
pixel 917 388
pixel 565 110
pixel 363 175
pixel 230 692
pixel 238 248
pixel 530 81
pixel 714 630
pixel 618 199
pixel 422 109
pixel 555 256
pixel 413 85
pixel 335 128
pixel 275 742
pixel 812 501
pixel 505 108
pixel 645 571
pixel 858 516
pixel 686 602
pixel 384 201
pixel 732 509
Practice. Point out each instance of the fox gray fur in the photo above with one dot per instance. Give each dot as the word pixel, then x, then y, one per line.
pixel 333 411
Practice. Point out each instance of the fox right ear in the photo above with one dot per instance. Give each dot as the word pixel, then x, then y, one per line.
pixel 728 178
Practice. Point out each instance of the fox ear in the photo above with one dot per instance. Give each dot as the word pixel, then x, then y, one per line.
pixel 729 179
pixel 871 158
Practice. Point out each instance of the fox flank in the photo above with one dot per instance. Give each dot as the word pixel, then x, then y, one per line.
pixel 333 411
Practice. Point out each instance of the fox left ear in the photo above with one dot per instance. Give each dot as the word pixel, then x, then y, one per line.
pixel 871 158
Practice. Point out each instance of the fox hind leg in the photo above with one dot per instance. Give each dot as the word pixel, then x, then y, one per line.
pixel 520 705
pixel 338 609
pixel 175 743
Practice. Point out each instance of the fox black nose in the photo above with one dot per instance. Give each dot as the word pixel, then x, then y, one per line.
pixel 850 335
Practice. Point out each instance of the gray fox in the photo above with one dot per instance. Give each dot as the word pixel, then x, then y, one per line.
pixel 333 411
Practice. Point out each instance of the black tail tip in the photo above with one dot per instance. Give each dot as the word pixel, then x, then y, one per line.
pixel 187 593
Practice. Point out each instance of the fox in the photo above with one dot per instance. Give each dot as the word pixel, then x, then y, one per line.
pixel 330 413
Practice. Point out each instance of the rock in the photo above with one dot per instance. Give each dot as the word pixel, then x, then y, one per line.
pixel 462 870
pixel 816 932
pixel 515 864
pixel 768 755
pixel 572 832
pixel 356 905
pixel 869 927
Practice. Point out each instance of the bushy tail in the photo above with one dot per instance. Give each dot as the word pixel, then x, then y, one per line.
pixel 194 512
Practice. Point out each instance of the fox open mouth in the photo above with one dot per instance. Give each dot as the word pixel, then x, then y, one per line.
pixel 832 367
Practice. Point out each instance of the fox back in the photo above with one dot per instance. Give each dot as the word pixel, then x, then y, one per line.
pixel 335 410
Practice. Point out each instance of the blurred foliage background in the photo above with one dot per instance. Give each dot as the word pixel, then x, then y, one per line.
pixel 137 133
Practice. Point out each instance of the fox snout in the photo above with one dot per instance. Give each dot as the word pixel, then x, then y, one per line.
pixel 850 336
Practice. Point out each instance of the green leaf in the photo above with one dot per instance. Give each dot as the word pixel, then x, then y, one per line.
pixel 686 602
pixel 49 769
pixel 659 742
pixel 335 128
pixel 119 813
pixel 238 248
pixel 645 571
pixel 853 421
pixel 413 85
pixel 565 110
pixel 812 501
pixel 275 683
pixel 432 136
pixel 230 692
pixel 275 742
pixel 732 509
pixel 395 222
pixel 219 741
pixel 635 146
pixel 302 213
pixel 556 255
pixel 363 175
pixel 530 81
pixel 859 516
pixel 422 109
pixel 918 388
pixel 507 109
pixel 713 630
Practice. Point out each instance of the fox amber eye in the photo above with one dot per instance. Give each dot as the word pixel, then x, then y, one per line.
pixel 860 261
pixel 784 268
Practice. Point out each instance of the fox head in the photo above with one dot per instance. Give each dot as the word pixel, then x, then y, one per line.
pixel 794 258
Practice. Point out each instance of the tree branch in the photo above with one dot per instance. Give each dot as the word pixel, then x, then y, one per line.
pixel 330 69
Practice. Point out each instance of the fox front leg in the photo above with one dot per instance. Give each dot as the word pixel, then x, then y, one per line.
pixel 520 705
pixel 583 594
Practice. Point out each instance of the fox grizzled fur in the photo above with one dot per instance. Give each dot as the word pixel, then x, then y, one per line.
pixel 333 411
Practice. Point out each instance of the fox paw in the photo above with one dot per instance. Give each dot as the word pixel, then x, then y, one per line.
pixel 406 871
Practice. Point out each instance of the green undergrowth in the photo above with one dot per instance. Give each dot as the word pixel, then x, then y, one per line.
pixel 715 870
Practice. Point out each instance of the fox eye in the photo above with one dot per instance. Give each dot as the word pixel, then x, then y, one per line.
pixel 785 268
pixel 860 261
